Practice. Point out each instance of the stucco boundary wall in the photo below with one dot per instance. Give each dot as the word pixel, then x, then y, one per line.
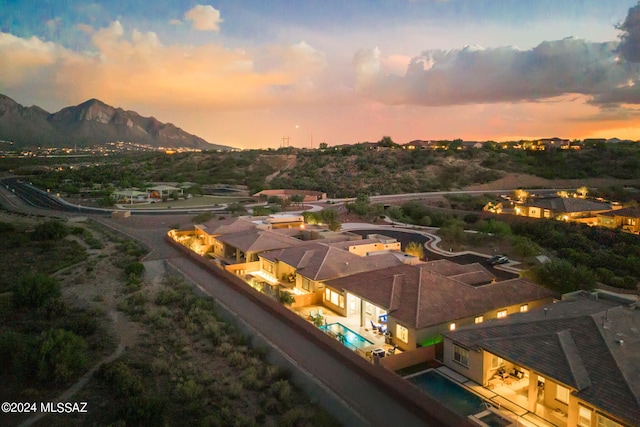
pixel 404 393
pixel 408 358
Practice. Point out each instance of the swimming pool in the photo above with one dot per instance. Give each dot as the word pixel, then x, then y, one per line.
pixel 450 394
pixel 346 336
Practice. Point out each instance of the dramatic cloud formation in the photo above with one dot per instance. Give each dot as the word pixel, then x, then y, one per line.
pixel 204 18
pixel 630 40
pixel 135 67
pixel 272 65
pixel 476 75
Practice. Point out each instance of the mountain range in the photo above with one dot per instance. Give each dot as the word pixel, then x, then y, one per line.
pixel 88 124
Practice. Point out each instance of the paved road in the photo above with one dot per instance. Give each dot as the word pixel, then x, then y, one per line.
pixel 405 237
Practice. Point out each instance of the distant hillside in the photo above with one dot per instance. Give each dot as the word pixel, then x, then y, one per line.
pixel 91 123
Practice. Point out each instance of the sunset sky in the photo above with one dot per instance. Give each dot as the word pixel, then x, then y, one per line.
pixel 248 73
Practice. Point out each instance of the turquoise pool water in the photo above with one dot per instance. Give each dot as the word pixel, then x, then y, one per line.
pixel 346 336
pixel 450 394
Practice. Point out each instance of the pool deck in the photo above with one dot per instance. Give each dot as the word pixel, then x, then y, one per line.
pixel 523 416
pixel 352 322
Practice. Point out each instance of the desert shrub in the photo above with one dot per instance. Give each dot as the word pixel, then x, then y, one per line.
pixel 82 324
pixel 50 230
pixel 134 268
pixel 61 355
pixel 123 380
pixel 35 290
pixel 167 297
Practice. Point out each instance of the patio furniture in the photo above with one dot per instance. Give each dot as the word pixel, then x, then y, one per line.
pixel 392 350
pixel 373 326
pixel 320 312
pixel 312 314
pixel 382 328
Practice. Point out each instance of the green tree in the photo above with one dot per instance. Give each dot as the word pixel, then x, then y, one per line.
pixel 35 291
pixel 453 232
pixel 561 276
pixel 50 230
pixel 331 218
pixel 62 354
pixel 386 141
pixel 287 298
pixel 297 199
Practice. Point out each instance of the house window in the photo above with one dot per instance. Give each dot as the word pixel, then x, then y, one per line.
pixel 452 327
pixel 584 416
pixel 607 422
pixel 332 296
pixel 341 301
pixel 502 313
pixel 478 319
pixel 306 284
pixel 461 355
pixel 402 333
pixel 562 394
pixel 496 362
pixel 268 267
pixel 524 307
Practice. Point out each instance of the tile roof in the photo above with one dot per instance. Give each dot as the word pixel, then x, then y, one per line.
pixel 321 261
pixel 568 204
pixel 258 240
pixel 632 212
pixel 423 297
pixel 590 345
pixel 215 226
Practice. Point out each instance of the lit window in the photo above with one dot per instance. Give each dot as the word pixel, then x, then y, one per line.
pixel 478 319
pixel 524 307
pixel 461 355
pixel 607 422
pixel 502 313
pixel 562 394
pixel 306 284
pixel 496 362
pixel 341 301
pixel 402 333
pixel 327 294
pixel 334 298
pixel 584 416
pixel 452 327
pixel 268 267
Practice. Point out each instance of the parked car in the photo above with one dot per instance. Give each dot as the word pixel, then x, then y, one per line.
pixel 498 259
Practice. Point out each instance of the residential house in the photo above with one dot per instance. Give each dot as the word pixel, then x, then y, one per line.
pixel 419 145
pixel 554 143
pixel 308 195
pixel 423 300
pixel 162 191
pixel 307 267
pixel 245 246
pixel 573 363
pixel 563 208
pixel 209 230
pixel 626 218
